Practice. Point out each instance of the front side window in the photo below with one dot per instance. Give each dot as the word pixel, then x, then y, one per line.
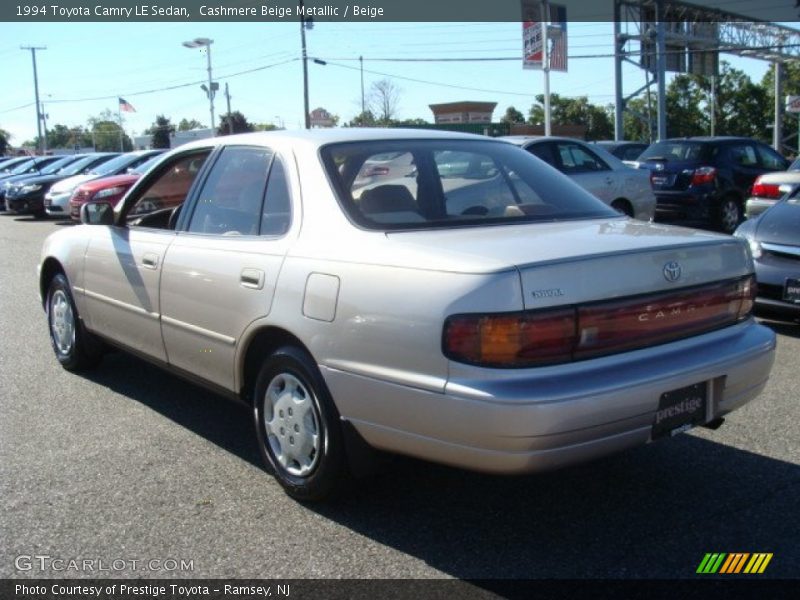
pixel 577 159
pixel 231 199
pixel 166 192
pixel 453 183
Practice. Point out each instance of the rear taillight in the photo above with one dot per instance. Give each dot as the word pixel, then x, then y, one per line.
pixel 765 190
pixel 535 338
pixel 704 175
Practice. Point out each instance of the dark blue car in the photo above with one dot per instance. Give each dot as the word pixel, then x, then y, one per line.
pixel 706 180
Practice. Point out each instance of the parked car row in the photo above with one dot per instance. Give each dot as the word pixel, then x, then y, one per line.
pixel 471 306
pixel 44 185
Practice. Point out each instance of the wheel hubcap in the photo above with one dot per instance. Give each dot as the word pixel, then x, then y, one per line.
pixel 62 322
pixel 292 424
pixel 730 216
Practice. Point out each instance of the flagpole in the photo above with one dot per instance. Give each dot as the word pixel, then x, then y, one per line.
pixel 121 130
pixel 546 68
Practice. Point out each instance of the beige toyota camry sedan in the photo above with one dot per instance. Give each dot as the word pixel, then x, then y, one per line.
pixel 474 308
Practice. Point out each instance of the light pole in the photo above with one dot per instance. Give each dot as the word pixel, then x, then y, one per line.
pixel 42 144
pixel 212 87
pixel 305 22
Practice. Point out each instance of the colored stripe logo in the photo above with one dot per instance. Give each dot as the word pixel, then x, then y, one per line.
pixel 734 563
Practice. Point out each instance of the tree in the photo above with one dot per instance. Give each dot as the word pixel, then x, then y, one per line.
pixel 265 127
pixel 512 116
pixel 575 111
pixel 239 122
pixel 5 144
pixel 739 106
pixel 160 132
pixel 684 116
pixel 382 100
pixel 365 119
pixel 107 134
pixel 637 120
pixel 188 125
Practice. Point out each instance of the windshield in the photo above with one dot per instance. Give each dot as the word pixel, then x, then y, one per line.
pixel 676 151
pixel 78 166
pixel 446 183
pixel 23 167
pixel 115 165
pixel 58 165
pixel 145 166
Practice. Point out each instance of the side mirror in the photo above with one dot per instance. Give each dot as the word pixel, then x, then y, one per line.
pixel 97 213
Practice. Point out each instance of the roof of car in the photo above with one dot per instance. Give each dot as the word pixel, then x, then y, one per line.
pixel 320 137
pixel 523 139
pixel 708 138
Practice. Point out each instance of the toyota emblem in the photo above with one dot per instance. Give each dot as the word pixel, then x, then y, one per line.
pixel 672 271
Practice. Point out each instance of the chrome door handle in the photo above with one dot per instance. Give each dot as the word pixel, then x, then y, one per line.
pixel 252 278
pixel 150 261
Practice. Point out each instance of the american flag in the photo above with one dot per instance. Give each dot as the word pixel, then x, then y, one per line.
pixel 126 106
pixel 558 52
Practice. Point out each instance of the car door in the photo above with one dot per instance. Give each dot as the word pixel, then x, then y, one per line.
pixel 123 263
pixel 587 169
pixel 219 274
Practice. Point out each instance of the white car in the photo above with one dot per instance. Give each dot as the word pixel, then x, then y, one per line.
pixel 619 185
pixel 493 315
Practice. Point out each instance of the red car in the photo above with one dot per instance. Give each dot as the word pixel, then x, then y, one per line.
pixel 111 189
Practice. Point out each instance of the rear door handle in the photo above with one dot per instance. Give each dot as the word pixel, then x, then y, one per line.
pixel 150 260
pixel 252 278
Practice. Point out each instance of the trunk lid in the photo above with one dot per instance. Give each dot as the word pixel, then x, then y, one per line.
pixel 585 261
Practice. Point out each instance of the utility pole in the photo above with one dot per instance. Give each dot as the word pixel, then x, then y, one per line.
pixel 306 109
pixel 33 50
pixel 228 99
pixel 363 105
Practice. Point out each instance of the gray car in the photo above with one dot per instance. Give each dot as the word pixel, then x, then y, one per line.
pixel 774 238
pixel 619 185
pixel 493 315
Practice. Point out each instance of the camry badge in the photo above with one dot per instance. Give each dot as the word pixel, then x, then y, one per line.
pixel 672 271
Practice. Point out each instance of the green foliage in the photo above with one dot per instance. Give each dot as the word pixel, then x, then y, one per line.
pixel 364 119
pixel 513 116
pixel 574 111
pixel 238 121
pixel 160 132
pixel 5 145
pixel 188 125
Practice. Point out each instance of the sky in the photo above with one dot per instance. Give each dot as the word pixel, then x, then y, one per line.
pixel 85 61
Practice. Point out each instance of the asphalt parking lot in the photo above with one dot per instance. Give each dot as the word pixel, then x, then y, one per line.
pixel 130 464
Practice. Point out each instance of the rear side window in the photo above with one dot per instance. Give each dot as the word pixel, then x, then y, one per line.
pixel 453 183
pixel 743 155
pixel 771 160
pixel 677 151
pixel 577 159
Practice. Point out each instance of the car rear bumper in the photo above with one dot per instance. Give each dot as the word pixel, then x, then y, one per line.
pixel 756 206
pixel 683 207
pixel 547 418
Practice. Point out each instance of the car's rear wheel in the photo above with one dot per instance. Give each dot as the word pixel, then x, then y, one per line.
pixel 729 215
pixel 297 425
pixel 75 348
pixel 622 206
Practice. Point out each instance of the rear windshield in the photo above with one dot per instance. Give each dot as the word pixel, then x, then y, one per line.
pixel 444 183
pixel 676 151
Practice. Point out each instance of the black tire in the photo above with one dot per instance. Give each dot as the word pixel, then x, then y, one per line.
pixel 291 399
pixel 623 207
pixel 75 348
pixel 728 215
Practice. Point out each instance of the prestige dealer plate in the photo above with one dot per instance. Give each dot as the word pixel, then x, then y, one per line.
pixel 679 410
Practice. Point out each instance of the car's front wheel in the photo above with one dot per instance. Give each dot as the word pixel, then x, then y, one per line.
pixel 729 215
pixel 75 348
pixel 297 425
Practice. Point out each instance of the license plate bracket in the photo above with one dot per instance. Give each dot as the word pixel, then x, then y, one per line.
pixel 680 410
pixel 791 291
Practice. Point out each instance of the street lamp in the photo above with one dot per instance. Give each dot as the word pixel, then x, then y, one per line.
pixel 212 87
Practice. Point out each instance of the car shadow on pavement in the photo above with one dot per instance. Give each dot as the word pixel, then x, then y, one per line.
pixel 651 512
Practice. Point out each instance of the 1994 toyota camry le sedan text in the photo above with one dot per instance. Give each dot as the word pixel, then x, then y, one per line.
pixel 478 309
